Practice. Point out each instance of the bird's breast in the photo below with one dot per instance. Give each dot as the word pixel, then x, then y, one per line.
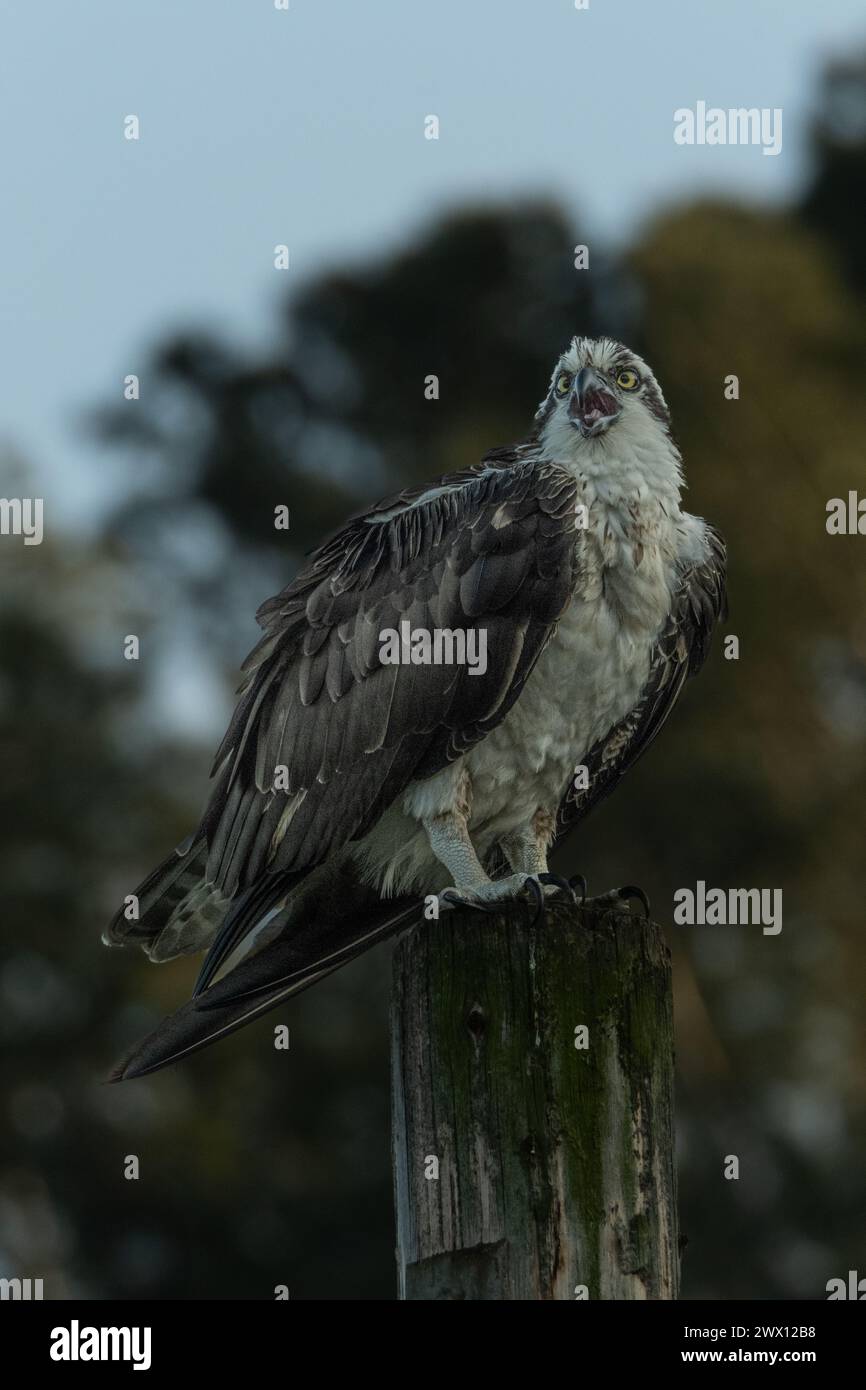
pixel 588 677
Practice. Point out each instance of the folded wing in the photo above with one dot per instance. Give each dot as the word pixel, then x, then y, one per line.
pixel 326 732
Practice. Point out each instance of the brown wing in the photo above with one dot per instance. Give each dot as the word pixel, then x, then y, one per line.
pixel 495 547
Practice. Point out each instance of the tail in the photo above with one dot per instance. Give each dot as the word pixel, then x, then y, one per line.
pixel 285 967
pixel 175 910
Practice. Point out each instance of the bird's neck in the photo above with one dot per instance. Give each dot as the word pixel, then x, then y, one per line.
pixel 626 469
pixel 630 487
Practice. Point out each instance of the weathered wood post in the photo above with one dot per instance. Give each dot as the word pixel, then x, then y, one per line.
pixel 532 1159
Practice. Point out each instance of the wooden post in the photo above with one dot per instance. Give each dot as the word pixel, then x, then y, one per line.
pixel 528 1165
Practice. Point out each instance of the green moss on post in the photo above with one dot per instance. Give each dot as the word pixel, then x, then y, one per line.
pixel 526 1167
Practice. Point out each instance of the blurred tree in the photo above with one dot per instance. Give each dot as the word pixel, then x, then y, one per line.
pixel 260 1167
pixel 338 414
pixel 833 202
pixel 485 301
pixel 773 747
pixel 270 1169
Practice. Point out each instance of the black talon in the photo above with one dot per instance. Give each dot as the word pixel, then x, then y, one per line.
pixel 450 895
pixel 559 882
pixel 631 891
pixel 573 882
pixel 538 891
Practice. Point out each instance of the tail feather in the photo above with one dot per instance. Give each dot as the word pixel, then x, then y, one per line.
pixel 245 913
pixel 160 894
pixel 175 910
pixel 278 971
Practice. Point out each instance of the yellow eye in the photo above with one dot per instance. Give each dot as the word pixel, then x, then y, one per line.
pixel 627 380
pixel 562 384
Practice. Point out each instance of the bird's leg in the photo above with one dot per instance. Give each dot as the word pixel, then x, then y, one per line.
pixel 526 851
pixel 451 843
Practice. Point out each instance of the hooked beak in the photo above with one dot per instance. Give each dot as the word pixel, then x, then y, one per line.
pixel 592 408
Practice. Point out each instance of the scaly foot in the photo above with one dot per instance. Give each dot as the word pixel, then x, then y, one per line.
pixel 487 897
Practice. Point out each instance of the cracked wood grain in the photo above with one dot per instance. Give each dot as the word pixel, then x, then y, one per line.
pixel 524 1167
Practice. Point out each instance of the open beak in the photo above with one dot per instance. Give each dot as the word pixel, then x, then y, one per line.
pixel 592 408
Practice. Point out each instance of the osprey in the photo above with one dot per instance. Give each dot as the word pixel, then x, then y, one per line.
pixel 350 784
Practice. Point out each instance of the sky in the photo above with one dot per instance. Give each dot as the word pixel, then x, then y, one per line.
pixel 261 126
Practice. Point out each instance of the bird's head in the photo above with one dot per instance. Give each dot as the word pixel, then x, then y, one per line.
pixel 600 391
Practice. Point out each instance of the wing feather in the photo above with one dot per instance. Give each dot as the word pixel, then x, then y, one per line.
pixel 496 547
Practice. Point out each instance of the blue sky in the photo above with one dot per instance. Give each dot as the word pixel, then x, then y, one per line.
pixel 260 126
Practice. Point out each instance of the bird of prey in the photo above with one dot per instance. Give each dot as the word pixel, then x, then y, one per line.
pixel 352 786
